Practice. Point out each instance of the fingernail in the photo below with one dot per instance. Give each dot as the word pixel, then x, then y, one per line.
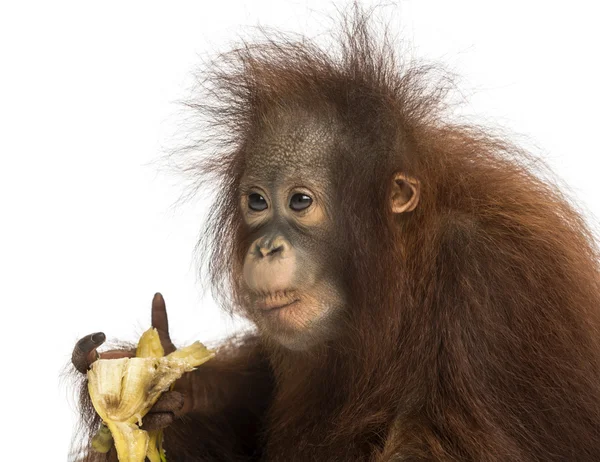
pixel 98 338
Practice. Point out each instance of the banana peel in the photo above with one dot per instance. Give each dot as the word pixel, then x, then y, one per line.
pixel 124 390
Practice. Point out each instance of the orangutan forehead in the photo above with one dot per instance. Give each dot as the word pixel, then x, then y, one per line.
pixel 292 145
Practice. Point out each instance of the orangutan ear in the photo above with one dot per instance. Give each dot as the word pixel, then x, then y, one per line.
pixel 405 193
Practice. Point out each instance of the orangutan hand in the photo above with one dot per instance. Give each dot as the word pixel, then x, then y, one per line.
pixel 171 404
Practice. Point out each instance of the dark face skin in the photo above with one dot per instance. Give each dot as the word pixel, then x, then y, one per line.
pixel 291 286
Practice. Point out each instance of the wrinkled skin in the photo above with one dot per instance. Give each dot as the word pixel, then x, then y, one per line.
pixel 292 288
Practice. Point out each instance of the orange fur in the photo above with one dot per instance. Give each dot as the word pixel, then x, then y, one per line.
pixel 473 328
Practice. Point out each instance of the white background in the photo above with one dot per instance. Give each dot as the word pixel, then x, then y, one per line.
pixel 88 92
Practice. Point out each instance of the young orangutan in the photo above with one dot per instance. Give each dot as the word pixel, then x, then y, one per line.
pixel 418 292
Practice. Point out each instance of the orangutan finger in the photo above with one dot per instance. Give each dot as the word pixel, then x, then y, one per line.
pixel 84 352
pixel 170 401
pixel 157 421
pixel 116 354
pixel 161 323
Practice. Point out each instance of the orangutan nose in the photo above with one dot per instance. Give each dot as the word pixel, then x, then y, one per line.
pixel 271 247
pixel 270 265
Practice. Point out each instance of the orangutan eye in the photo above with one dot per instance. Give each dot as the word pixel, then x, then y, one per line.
pixel 299 202
pixel 256 202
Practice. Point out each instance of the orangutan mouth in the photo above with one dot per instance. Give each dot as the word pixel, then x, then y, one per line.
pixel 275 302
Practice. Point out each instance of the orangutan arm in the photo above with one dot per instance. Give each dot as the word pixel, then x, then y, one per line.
pixel 225 402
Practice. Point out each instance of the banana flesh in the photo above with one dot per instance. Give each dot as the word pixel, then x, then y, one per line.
pixel 123 391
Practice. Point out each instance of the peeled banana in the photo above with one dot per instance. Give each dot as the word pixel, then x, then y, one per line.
pixel 123 391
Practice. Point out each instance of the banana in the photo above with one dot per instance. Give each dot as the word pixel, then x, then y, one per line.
pixel 123 391
pixel 103 441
